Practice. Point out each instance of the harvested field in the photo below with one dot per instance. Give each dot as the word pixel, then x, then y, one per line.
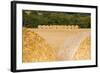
pixel 84 50
pixel 42 45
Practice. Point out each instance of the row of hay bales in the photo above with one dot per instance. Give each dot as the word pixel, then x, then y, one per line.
pixel 58 27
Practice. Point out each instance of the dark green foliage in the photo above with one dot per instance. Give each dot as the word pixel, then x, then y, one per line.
pixel 34 18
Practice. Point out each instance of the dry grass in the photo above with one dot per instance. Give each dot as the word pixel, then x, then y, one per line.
pixel 37 49
pixel 84 50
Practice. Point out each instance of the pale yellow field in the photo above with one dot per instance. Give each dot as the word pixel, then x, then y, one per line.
pixel 84 50
pixel 41 45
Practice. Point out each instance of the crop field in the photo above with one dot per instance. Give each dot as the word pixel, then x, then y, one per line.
pixel 43 45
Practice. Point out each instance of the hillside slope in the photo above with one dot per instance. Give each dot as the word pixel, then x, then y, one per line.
pixel 35 48
pixel 84 50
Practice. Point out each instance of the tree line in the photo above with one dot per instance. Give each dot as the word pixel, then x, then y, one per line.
pixel 34 18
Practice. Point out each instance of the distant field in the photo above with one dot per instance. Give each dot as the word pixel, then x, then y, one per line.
pixel 41 45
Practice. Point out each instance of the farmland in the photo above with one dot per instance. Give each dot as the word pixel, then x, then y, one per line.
pixel 55 36
pixel 42 45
